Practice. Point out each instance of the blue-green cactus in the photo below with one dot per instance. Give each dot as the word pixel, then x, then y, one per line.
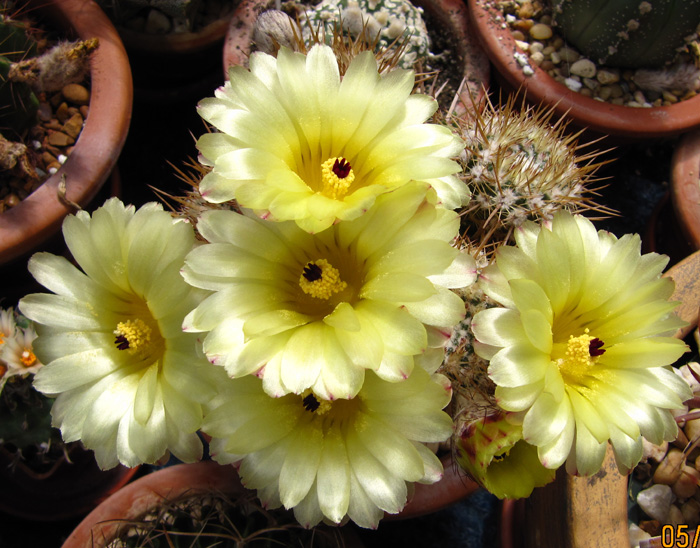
pixel 627 33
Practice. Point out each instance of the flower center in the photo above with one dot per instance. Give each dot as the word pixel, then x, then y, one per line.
pixel 313 405
pixel 133 335
pixel 28 358
pixel 321 280
pixel 336 177
pixel 582 353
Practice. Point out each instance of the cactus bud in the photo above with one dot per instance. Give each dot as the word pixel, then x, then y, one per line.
pixel 492 451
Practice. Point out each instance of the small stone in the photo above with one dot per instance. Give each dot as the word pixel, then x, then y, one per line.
pixel 523 25
pixel 656 501
pixel 671 98
pixel 584 68
pixel 541 32
pixel 157 23
pixel 616 91
pixel 591 84
pixel 675 516
pixel 76 94
pixel 536 47
pixel 12 200
pixel 547 65
pixel 640 98
pixel 653 452
pixel 569 55
pixel 47 158
pixel 637 534
pixel 691 512
pixel 60 139
pixel 526 11
pixel 651 526
pixel 73 126
pixel 669 469
pixel 548 51
pixel 573 85
pixel 84 109
pixel 45 112
pixel 537 58
pixel 518 36
pixel 62 112
pixel 687 484
pixel 607 77
pixel 555 57
pixel 525 46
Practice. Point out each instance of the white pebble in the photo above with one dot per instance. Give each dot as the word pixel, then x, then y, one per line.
pixel 573 85
pixel 656 501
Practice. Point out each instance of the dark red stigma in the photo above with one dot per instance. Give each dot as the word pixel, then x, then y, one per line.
pixel 121 342
pixel 595 347
pixel 312 272
pixel 310 403
pixel 341 168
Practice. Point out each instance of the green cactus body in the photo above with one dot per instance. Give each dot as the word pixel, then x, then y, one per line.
pixel 627 33
pixel 18 104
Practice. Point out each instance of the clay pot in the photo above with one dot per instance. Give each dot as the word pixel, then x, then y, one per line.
pixel 168 67
pixel 39 216
pixel 685 187
pixel 137 498
pixel 450 15
pixel 454 486
pixel 72 486
pixel 599 118
pixel 580 512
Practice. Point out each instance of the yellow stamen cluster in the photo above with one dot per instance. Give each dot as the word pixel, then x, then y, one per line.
pixel 136 334
pixel 578 357
pixel 336 177
pixel 28 358
pixel 321 280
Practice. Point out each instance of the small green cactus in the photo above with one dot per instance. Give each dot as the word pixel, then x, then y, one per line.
pixel 391 21
pixel 520 166
pixel 18 104
pixel 627 33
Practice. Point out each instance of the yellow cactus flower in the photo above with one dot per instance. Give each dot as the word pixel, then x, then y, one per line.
pixel 128 381
pixel 315 311
pixel 297 142
pixel 331 460
pixel 581 348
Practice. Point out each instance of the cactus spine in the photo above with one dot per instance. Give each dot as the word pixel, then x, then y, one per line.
pixel 627 33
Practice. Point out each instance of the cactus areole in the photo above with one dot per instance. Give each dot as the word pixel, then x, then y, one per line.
pixel 627 33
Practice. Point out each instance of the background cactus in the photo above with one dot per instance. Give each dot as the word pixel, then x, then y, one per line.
pixel 18 104
pixel 391 21
pixel 627 33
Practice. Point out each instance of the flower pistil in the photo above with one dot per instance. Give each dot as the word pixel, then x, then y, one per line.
pixel 134 336
pixel 321 280
pixel 336 176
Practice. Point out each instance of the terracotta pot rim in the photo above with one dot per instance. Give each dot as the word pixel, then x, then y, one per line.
pixel 96 151
pixel 174 43
pixel 630 123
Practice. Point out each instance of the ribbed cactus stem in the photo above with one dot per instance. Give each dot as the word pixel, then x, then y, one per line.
pixel 627 33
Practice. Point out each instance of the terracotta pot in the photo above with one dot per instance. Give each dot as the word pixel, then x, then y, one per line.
pixel 450 15
pixel 170 67
pixel 69 489
pixel 132 501
pixel 39 216
pixel 600 118
pixel 454 486
pixel 685 187
pixel 580 512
